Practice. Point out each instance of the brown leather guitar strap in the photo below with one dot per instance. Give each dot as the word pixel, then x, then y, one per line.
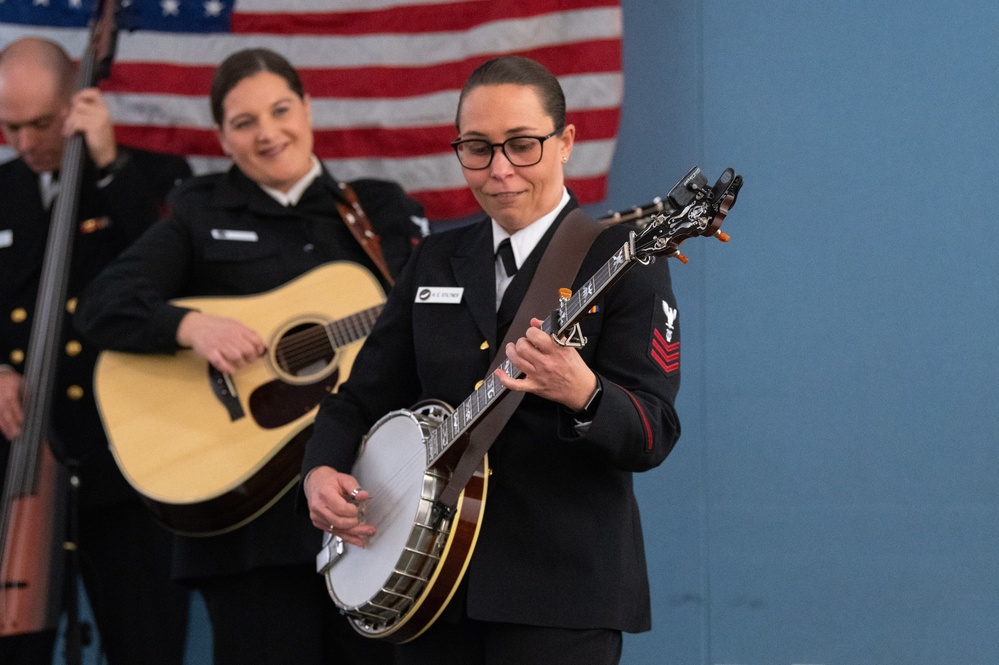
pixel 360 226
pixel 558 267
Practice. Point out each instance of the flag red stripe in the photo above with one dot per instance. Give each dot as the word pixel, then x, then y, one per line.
pixel 601 56
pixel 456 16
pixel 362 68
pixel 448 203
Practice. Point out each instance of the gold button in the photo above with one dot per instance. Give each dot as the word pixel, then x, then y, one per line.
pixel 94 224
pixel 484 345
pixel 18 315
pixel 74 392
pixel 73 348
pixel 71 305
pixel 17 356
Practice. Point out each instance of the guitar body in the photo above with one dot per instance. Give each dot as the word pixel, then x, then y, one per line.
pixel 398 585
pixel 210 451
pixel 31 562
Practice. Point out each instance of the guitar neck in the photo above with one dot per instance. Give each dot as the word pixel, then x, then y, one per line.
pixel 559 322
pixel 299 349
pixel 352 328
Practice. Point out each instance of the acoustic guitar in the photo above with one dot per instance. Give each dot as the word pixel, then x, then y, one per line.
pixel 397 586
pixel 209 451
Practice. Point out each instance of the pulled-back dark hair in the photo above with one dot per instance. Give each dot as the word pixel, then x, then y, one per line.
pixel 243 64
pixel 518 70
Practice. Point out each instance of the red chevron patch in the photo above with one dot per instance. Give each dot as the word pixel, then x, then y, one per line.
pixel 665 354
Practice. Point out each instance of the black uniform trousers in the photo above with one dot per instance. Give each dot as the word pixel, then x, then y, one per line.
pixel 264 633
pixel 470 642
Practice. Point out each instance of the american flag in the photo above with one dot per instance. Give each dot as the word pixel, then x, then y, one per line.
pixel 383 75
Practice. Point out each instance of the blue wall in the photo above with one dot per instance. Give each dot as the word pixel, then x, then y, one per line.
pixel 833 497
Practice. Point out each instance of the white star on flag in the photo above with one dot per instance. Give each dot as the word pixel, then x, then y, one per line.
pixel 213 8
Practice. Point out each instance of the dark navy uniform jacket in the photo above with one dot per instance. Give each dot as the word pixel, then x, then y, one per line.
pixel 227 237
pixel 561 538
pixel 110 218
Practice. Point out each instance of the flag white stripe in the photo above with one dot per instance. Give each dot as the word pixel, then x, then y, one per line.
pixel 408 50
pixel 415 171
pixel 351 51
pixel 74 40
pixel 416 174
pixel 582 91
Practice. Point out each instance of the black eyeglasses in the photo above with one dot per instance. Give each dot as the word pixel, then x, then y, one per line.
pixel 477 154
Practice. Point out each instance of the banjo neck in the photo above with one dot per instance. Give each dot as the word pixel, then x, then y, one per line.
pixel 559 323
pixel 691 209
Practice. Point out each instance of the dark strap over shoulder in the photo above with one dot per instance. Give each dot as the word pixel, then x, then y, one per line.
pixel 558 267
pixel 360 227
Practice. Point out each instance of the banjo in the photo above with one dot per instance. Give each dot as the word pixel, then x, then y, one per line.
pixel 398 585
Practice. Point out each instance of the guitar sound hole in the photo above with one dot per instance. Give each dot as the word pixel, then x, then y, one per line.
pixel 304 350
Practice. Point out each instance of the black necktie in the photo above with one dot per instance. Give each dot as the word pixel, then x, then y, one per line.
pixel 505 252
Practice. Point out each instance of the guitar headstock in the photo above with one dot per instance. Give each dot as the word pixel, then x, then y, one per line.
pixel 692 209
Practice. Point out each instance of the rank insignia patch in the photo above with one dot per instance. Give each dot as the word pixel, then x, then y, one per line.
pixel 663 349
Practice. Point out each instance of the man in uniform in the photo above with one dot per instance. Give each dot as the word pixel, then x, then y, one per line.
pixel 121 549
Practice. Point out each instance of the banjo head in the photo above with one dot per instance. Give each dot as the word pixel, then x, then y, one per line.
pixel 390 467
pixel 397 586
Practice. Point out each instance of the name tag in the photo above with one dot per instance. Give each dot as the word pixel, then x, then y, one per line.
pixel 7 238
pixel 447 295
pixel 230 234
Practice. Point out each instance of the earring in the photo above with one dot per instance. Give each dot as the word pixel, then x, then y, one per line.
pixel 565 159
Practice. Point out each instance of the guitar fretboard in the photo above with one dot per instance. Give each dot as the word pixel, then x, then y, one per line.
pixel 317 343
pixel 352 328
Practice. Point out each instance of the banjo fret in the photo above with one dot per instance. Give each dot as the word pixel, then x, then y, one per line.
pixel 569 311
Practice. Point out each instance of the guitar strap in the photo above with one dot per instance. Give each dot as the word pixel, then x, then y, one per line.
pixel 559 265
pixel 360 227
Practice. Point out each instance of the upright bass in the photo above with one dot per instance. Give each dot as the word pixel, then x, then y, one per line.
pixel 32 520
